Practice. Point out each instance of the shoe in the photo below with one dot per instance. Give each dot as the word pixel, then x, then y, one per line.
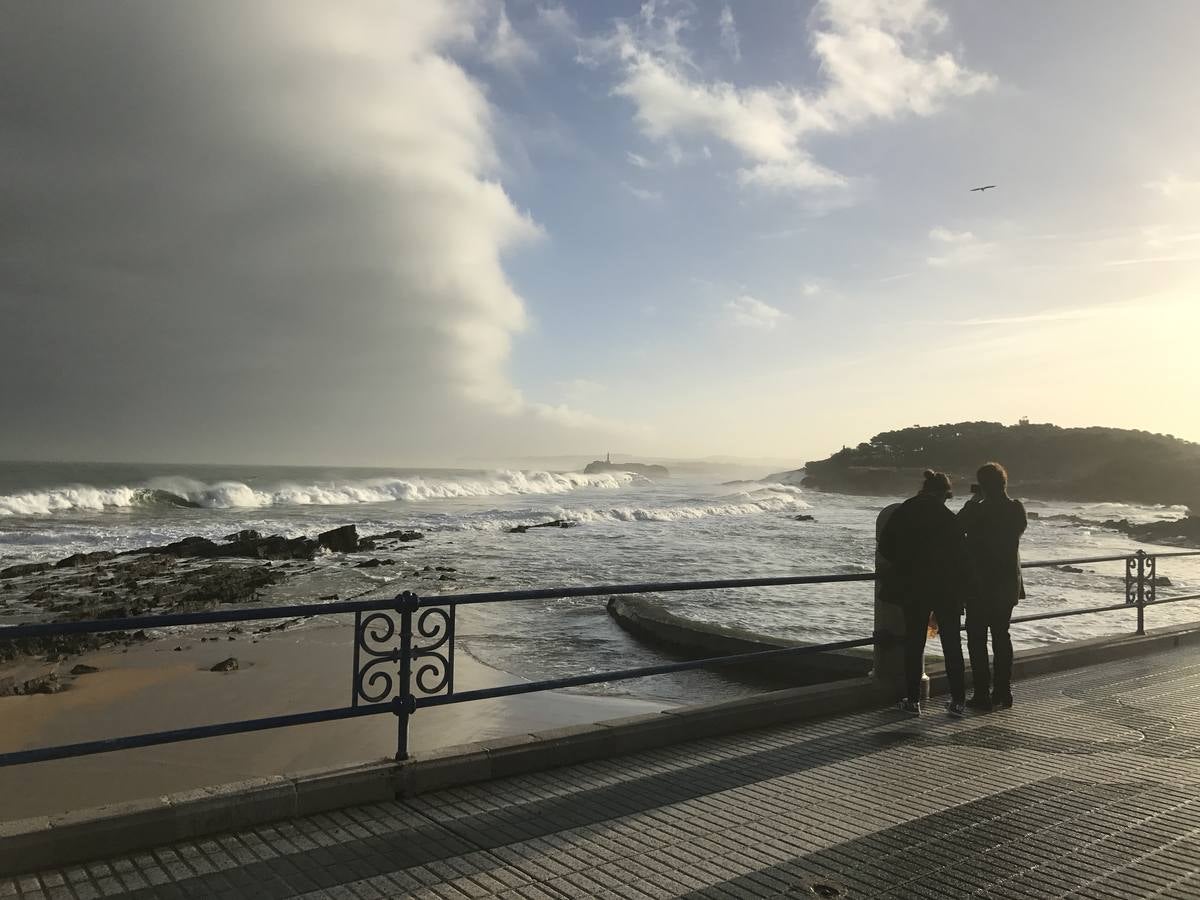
pixel 1005 702
pixel 956 708
pixel 980 703
pixel 912 707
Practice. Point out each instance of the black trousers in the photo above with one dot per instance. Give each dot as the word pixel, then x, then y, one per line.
pixel 980 621
pixel 916 621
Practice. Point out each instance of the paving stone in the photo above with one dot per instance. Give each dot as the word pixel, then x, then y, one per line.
pixel 1090 787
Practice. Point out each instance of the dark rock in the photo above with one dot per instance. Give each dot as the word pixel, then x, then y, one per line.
pixel 1162 581
pixel 188 548
pixel 804 518
pixel 402 535
pixel 245 535
pixel 556 523
pixel 226 665
pixel 387 562
pixel 178 649
pixel 365 545
pixel 328 597
pixel 46 684
pixel 83 669
pixel 273 547
pixel 369 564
pixel 604 465
pixel 445 569
pixel 85 559
pixel 1074 570
pixel 139 635
pixel 8 686
pixel 23 569
pixel 446 578
pixel 339 540
pixel 1029 514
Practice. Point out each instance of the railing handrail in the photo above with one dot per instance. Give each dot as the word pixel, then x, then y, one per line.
pixel 336 607
pixel 376 690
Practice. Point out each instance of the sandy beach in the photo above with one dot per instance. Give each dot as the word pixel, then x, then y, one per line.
pixel 152 687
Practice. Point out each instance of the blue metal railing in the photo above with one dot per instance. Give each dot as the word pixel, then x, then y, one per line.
pixel 403 655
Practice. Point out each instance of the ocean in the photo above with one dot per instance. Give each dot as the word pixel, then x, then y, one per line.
pixel 629 529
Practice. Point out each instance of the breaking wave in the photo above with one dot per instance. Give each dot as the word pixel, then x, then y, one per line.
pixel 779 498
pixel 184 492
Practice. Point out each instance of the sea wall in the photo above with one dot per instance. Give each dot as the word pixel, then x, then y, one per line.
pixel 651 623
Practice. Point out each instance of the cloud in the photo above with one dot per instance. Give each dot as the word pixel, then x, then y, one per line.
pixel 946 236
pixel 1145 260
pixel 754 313
pixel 284 241
pixel 957 248
pixel 1172 185
pixel 730 41
pixel 558 21
pixel 876 65
pixel 811 289
pixel 636 159
pixel 505 48
pixel 643 194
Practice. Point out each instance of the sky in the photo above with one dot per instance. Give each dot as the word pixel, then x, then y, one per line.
pixel 411 232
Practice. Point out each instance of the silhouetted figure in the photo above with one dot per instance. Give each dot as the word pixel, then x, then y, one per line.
pixel 994 523
pixel 923 541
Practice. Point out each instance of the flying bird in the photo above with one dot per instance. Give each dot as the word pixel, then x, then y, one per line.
pixel 986 187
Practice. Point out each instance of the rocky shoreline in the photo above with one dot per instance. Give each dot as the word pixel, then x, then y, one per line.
pixel 190 575
pixel 1183 532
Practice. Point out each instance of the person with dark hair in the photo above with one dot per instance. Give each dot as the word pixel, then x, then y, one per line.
pixel 923 542
pixel 993 523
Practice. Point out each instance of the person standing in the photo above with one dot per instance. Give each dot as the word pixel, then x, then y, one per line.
pixel 923 541
pixel 993 523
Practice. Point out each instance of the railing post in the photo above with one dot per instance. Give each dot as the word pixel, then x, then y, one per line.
pixel 404 701
pixel 1140 596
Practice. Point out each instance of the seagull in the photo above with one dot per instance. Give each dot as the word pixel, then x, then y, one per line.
pixel 986 187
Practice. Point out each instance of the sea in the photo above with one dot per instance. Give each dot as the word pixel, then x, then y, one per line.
pixel 718 523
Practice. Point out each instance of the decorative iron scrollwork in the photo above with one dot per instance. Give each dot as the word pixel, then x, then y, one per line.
pixel 1151 566
pixel 435 669
pixel 1131 579
pixel 394 648
pixel 375 680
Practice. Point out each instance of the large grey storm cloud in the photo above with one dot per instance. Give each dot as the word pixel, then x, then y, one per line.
pixel 251 231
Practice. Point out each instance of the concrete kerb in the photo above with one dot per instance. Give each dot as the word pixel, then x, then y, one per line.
pixel 44 842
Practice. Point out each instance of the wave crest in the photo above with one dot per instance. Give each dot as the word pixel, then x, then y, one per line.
pixel 185 492
pixel 776 499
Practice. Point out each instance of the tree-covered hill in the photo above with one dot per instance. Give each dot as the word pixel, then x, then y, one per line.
pixel 1089 464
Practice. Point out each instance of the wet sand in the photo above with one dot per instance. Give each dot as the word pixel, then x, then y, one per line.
pixel 153 687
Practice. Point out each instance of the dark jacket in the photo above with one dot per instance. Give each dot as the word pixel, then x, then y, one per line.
pixel 923 541
pixel 994 527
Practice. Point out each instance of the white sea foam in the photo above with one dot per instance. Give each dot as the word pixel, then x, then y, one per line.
pixel 779 498
pixel 235 494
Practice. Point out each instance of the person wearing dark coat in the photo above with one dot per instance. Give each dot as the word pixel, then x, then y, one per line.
pixel 923 541
pixel 993 523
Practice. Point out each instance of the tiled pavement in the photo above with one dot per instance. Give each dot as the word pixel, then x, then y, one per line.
pixel 1090 787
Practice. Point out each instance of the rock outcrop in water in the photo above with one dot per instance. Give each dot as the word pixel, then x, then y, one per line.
pixel 600 466
pixel 557 523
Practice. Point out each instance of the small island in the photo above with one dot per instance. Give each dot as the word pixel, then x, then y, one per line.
pixel 1044 461
pixel 598 466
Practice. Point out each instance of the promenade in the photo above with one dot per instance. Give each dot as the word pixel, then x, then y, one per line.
pixel 1090 787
